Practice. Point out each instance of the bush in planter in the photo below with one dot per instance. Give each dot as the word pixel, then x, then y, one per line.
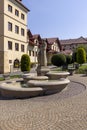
pixel 25 63
pixel 81 56
pixel 58 59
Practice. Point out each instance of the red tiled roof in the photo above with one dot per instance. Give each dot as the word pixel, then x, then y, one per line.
pixel 38 37
pixel 74 41
pixel 29 33
pixel 52 40
pixel 67 52
pixel 51 51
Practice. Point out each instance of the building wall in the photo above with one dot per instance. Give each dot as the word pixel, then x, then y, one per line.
pixel 1 24
pixel 55 47
pixel 33 56
pixel 8 56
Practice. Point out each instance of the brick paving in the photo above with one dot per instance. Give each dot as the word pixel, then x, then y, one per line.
pixel 62 111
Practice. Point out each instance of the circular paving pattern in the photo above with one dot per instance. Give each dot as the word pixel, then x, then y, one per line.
pixel 66 110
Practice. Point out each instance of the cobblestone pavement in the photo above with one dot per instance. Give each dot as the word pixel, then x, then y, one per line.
pixel 64 111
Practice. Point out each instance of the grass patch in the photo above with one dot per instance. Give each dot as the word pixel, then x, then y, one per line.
pixel 15 76
pixel 1 78
pixel 81 69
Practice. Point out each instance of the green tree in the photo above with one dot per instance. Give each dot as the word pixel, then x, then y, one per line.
pixel 81 56
pixel 74 56
pixel 58 59
pixel 25 63
pixel 68 59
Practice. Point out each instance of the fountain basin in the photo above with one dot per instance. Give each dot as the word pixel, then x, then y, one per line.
pixel 54 75
pixel 34 88
pixel 50 86
pixel 34 77
pixel 14 90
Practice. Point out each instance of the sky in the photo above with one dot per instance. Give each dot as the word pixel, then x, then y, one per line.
pixel 64 19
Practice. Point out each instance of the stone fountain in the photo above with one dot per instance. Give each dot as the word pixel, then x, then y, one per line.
pixel 43 83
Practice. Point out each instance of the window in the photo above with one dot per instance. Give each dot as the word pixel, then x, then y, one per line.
pixel 16 63
pixel 16 29
pixel 10 8
pixel 16 12
pixel 22 31
pixel 29 52
pixel 22 48
pixel 10 61
pixel 16 47
pixel 9 45
pixel 9 26
pixel 33 53
pixel 22 16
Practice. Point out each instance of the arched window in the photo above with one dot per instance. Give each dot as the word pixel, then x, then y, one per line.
pixel 16 63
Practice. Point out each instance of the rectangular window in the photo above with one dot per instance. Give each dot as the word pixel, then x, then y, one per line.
pixel 16 29
pixel 9 26
pixel 22 16
pixel 16 47
pixel 29 52
pixel 10 61
pixel 22 48
pixel 10 8
pixel 9 45
pixel 16 12
pixel 22 32
pixel 33 53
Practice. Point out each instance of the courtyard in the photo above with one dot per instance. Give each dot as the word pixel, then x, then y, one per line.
pixel 66 110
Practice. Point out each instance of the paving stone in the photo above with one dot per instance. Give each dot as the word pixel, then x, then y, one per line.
pixel 62 111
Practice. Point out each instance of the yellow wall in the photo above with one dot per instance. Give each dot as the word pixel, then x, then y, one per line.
pixel 5 35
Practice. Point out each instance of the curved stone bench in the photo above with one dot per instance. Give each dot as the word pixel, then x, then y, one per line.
pixel 50 85
pixel 54 75
pixel 11 91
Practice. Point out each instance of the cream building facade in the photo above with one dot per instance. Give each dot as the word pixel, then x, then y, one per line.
pixel 13 33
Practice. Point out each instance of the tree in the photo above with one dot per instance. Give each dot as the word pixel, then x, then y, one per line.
pixel 58 59
pixel 68 59
pixel 81 56
pixel 74 56
pixel 25 63
pixel 80 46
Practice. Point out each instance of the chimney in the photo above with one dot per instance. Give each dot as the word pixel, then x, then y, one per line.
pixel 20 0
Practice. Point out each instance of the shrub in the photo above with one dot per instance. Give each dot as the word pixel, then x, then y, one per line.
pixel 74 56
pixel 58 59
pixel 68 59
pixel 25 63
pixel 81 56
